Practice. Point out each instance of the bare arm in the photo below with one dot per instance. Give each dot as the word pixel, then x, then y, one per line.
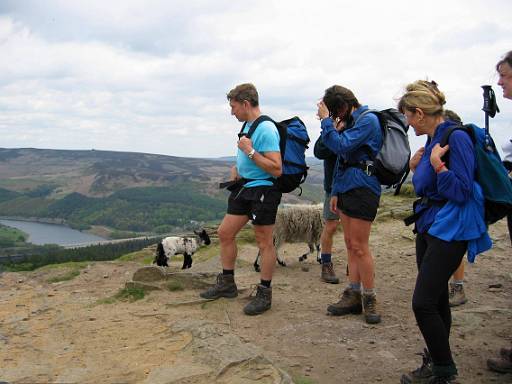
pixel 234 173
pixel 270 162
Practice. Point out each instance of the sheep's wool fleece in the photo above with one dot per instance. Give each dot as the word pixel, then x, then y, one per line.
pixel 298 223
pixel 179 245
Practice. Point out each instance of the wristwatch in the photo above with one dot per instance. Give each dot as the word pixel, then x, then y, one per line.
pixel 251 154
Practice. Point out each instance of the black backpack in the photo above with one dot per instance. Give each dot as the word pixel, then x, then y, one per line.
pixel 391 164
pixel 293 142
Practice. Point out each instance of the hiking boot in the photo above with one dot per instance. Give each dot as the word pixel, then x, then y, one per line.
pixel 506 353
pixel 225 287
pixel 328 274
pixel 501 365
pixel 261 302
pixel 422 374
pixel 370 309
pixel 457 295
pixel 442 380
pixel 350 302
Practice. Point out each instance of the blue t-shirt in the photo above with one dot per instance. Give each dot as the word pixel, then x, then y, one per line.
pixel 264 139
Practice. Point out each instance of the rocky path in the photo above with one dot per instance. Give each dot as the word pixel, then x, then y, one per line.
pixel 77 331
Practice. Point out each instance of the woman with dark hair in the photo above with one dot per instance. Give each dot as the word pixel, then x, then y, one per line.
pixel 355 193
pixel 503 364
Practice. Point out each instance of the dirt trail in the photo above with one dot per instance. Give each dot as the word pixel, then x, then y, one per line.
pixel 61 333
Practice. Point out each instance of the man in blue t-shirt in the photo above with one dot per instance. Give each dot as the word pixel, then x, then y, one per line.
pixel 253 197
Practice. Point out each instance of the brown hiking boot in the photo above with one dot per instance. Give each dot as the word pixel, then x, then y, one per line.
pixel 328 274
pixel 457 295
pixel 350 302
pixel 421 375
pixel 370 309
pixel 261 302
pixel 225 287
pixel 506 353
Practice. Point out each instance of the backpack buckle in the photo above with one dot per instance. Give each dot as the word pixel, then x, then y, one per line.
pixel 369 168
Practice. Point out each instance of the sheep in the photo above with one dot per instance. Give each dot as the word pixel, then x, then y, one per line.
pixel 296 224
pixel 185 246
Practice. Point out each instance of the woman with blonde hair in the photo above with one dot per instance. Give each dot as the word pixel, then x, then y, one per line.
pixel 445 189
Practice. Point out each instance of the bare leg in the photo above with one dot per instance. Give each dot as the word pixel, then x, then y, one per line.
pixel 227 231
pixel 328 231
pixel 263 234
pixel 459 273
pixel 357 236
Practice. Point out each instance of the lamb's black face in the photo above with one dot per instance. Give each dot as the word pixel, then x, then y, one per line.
pixel 204 236
pixel 160 258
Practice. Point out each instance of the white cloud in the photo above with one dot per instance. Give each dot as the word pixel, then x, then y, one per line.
pixel 152 76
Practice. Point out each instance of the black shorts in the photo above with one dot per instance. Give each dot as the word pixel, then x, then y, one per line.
pixel 359 203
pixel 258 203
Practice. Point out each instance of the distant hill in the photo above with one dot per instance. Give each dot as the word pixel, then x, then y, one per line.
pixel 121 190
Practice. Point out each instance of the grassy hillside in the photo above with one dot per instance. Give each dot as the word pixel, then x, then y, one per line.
pixel 124 191
pixel 11 237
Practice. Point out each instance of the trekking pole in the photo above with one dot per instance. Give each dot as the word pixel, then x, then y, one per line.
pixel 490 108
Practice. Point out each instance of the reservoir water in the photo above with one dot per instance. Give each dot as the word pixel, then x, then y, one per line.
pixel 42 233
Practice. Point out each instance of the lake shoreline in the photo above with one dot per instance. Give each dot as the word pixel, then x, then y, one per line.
pixel 41 232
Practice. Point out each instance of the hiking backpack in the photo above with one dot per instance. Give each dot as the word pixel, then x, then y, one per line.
pixel 391 164
pixel 293 142
pixel 491 174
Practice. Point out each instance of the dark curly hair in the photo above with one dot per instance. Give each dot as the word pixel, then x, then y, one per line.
pixel 339 101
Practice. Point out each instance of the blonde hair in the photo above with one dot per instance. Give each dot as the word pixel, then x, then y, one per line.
pixel 424 95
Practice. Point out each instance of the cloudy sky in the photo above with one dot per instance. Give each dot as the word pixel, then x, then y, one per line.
pixel 151 76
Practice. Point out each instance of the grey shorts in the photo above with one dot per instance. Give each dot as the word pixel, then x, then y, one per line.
pixel 328 214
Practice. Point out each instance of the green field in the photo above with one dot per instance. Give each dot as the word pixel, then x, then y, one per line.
pixel 11 237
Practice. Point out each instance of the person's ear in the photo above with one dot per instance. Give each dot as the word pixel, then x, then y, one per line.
pixel 419 113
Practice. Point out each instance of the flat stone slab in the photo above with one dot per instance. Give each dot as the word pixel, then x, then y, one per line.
pixel 216 355
pixel 152 278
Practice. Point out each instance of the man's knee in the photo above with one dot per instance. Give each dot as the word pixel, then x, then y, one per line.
pixel 226 234
pixel 264 236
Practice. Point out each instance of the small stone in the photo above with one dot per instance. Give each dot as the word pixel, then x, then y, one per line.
pixel 304 268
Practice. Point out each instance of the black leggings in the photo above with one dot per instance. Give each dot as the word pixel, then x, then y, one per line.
pixel 437 260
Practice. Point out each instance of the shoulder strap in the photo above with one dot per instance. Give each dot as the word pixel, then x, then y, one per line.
pixel 366 147
pixel 365 113
pixel 446 137
pixel 254 125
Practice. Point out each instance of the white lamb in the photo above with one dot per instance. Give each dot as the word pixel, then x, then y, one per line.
pixel 297 224
pixel 185 246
